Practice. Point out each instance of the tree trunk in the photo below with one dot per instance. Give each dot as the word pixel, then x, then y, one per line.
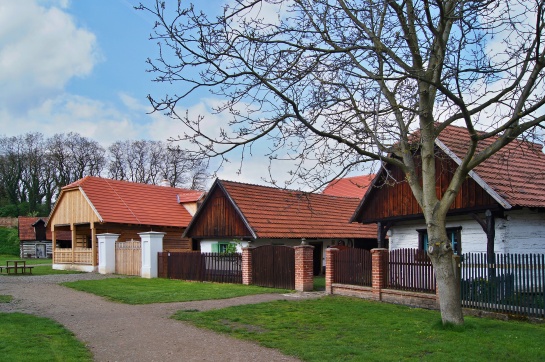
pixel 448 282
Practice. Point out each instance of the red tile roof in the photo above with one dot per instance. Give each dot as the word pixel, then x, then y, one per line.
pixel 134 203
pixel 516 173
pixel 28 233
pixel 355 186
pixel 190 196
pixel 278 213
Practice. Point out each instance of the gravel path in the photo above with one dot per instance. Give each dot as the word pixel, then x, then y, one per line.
pixel 121 332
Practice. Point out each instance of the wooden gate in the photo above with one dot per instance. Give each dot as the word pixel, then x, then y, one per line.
pixel 128 257
pixel 273 266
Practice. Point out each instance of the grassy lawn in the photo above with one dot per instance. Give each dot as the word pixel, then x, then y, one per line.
pixel 30 261
pixel 4 298
pixel 145 291
pixel 319 283
pixel 37 270
pixel 24 337
pixel 339 329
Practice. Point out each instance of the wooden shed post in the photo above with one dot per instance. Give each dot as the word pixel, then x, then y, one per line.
pixel 53 242
pixel 94 242
pixel 74 241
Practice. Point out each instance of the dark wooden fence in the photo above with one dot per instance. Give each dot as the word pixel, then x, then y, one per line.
pixel 273 266
pixel 353 266
pixel 209 267
pixel 511 283
pixel 411 270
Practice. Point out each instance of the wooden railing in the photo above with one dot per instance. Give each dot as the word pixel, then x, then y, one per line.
pixel 80 256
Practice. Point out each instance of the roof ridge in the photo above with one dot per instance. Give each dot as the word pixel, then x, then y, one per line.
pixel 289 190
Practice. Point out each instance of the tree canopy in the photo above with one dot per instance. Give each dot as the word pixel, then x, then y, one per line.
pixel 334 84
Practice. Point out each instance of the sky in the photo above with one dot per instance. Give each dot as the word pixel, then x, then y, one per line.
pixel 80 66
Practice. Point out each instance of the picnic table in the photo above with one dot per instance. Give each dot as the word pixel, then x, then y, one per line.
pixel 16 266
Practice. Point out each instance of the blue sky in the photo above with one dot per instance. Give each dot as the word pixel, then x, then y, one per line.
pixel 80 66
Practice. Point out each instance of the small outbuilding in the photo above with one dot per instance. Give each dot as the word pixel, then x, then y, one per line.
pixel 253 215
pixel 95 205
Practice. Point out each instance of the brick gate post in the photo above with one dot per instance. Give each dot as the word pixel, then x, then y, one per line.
pixel 330 255
pixel 304 268
pixel 247 277
pixel 106 253
pixel 379 271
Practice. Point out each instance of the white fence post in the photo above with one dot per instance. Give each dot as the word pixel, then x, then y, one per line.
pixel 106 253
pixel 152 243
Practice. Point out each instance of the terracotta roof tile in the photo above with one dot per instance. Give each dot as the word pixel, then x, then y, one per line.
pixel 278 213
pixel 516 173
pixel 349 186
pixel 134 203
pixel 193 196
pixel 28 233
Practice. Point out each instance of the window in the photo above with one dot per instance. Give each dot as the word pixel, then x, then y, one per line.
pixel 219 247
pixel 454 234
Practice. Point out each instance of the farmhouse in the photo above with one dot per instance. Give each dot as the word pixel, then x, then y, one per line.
pixel 500 207
pixel 255 215
pixel 94 205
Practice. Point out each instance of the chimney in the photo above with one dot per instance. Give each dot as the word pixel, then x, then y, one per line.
pixel 165 183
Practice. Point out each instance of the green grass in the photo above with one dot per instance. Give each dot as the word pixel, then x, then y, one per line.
pixel 145 291
pixel 339 329
pixel 24 337
pixel 37 270
pixel 4 298
pixel 29 261
pixel 319 283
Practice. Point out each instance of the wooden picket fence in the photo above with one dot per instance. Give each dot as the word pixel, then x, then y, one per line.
pixel 128 257
pixel 203 267
pixel 410 270
pixel 353 266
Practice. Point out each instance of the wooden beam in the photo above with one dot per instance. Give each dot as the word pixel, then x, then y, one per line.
pixel 74 240
pixel 94 244
pixel 53 242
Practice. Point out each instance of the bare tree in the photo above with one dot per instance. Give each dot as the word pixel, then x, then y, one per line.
pixel 337 83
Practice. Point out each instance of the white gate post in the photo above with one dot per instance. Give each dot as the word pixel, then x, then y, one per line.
pixel 152 243
pixel 106 253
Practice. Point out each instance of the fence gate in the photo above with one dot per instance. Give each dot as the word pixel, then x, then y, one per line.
pixel 128 257
pixel 273 266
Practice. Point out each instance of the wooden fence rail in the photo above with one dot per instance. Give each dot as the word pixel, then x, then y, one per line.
pixel 411 270
pixel 354 267
pixel 128 257
pixel 210 267
pixel 512 283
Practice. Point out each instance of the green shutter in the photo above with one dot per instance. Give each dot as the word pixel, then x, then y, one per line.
pixel 215 247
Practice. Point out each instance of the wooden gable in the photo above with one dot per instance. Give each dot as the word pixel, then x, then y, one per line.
pixel 218 218
pixel 391 198
pixel 72 208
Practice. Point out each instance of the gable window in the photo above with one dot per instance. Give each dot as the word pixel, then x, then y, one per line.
pixel 454 234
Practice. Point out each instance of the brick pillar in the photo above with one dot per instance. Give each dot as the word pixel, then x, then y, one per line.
pixel 330 255
pixel 106 253
pixel 247 265
pixel 304 276
pixel 152 244
pixel 379 272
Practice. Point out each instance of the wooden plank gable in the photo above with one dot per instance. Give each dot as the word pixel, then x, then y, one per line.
pixel 218 217
pixel 391 198
pixel 72 208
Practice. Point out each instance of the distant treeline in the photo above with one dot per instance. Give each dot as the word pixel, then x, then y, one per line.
pixel 33 168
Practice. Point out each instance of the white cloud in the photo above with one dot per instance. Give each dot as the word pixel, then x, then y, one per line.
pixel 42 49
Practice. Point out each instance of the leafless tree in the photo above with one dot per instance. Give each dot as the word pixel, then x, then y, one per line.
pixel 333 84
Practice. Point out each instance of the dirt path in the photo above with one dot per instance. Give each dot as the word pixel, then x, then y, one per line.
pixel 120 332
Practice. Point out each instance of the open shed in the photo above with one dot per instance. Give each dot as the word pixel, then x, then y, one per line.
pixel 95 205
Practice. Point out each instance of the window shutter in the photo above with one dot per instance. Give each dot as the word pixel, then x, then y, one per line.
pixel 215 247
